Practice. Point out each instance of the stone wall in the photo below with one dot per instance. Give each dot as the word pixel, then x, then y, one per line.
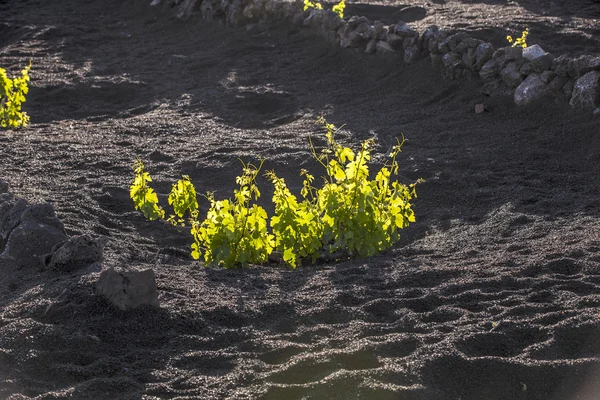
pixel 529 74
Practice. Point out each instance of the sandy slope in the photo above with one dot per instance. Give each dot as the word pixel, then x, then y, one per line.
pixel 493 294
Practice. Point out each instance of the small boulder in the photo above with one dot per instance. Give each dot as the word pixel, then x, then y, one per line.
pixel 31 240
pixel 532 89
pixel 511 75
pixel 76 253
pixel 130 289
pixel 586 92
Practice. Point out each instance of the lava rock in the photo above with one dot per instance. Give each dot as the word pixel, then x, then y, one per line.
pixel 532 89
pixel 505 55
pixel 452 65
pixel 394 41
pixel 76 253
pixel 511 75
pixel 548 76
pixel 451 42
pixel 371 47
pixel 379 30
pixel 586 92
pixel 31 240
pixel 411 54
pixel 539 59
pixel 526 69
pixel 560 65
pixel 130 289
pixel 483 54
pixel 584 64
pixel 403 30
pixel 489 71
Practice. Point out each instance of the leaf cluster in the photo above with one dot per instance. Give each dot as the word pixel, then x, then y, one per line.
pixel 12 96
pixel 234 231
pixel 337 8
pixel 349 216
pixel 522 41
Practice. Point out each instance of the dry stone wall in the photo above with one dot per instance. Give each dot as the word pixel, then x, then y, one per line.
pixel 529 75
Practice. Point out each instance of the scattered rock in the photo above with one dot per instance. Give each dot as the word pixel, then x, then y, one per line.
pixel 479 108
pixel 586 92
pixel 31 240
pixel 532 89
pixel 76 253
pixel 130 289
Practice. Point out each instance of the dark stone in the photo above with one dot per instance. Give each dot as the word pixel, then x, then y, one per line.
pixel 547 76
pixel 76 253
pixel 560 65
pixel 511 75
pixel 483 54
pixel 526 69
pixel 394 41
pixel 127 290
pixel 586 92
pixel 452 65
pixel 403 30
pixel 450 43
pixel 531 90
pixel 489 71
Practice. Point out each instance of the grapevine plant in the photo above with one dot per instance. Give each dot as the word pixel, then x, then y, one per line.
pixel 349 216
pixel 337 8
pixel 522 41
pixel 12 96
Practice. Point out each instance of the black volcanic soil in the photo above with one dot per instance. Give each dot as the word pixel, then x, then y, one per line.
pixel 493 294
